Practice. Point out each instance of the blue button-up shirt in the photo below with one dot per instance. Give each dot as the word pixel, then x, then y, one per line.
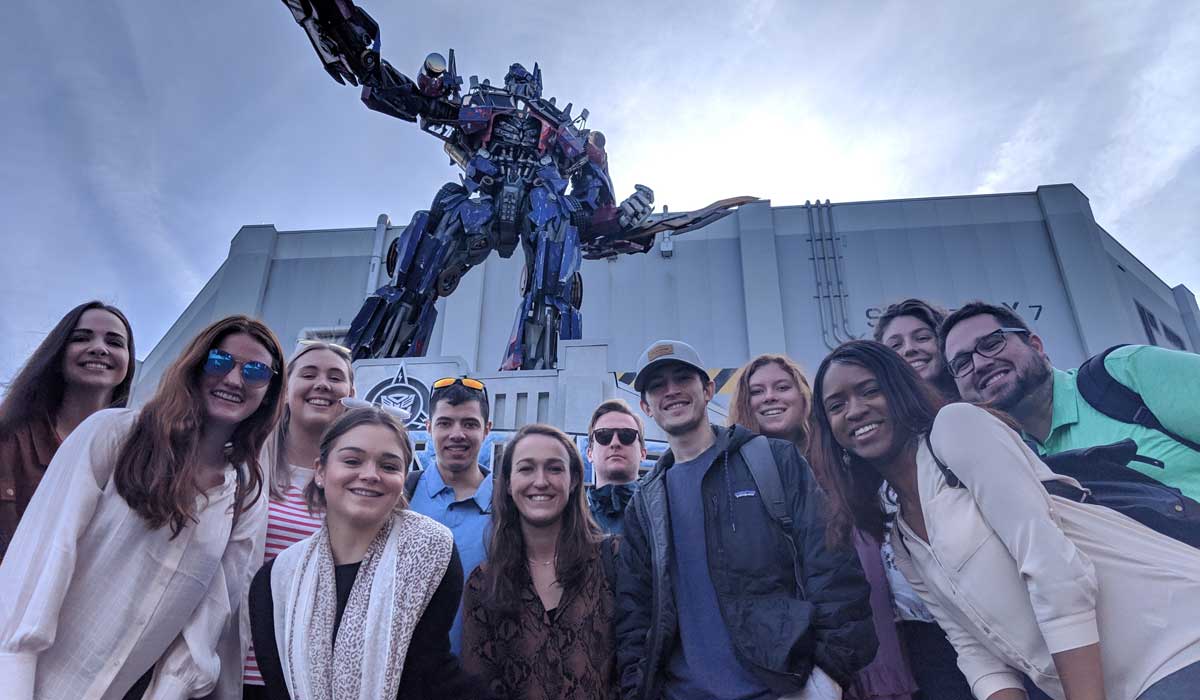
pixel 467 519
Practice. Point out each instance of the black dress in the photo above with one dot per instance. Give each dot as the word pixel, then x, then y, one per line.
pixel 430 669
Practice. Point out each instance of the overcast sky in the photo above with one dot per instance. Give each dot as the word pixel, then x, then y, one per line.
pixel 140 136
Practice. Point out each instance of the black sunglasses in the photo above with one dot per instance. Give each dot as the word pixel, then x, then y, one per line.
pixel 220 363
pixel 604 436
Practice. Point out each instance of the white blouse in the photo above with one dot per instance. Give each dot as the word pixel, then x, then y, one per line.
pixel 1013 574
pixel 93 598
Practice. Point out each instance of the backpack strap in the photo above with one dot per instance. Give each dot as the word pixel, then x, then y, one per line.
pixel 1117 401
pixel 952 479
pixel 410 484
pixel 760 460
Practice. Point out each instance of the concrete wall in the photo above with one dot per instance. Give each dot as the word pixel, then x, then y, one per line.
pixel 796 279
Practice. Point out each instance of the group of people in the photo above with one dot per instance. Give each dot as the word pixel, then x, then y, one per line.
pixel 889 529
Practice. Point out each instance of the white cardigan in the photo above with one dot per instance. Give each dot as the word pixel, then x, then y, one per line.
pixel 1013 574
pixel 92 598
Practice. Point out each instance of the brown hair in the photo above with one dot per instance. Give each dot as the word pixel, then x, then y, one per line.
pixel 853 485
pixel 156 466
pixel 739 403
pixel 931 316
pixel 618 406
pixel 281 470
pixel 37 390
pixel 314 495
pixel 578 540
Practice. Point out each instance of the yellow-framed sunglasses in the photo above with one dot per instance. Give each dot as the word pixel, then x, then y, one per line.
pixel 468 382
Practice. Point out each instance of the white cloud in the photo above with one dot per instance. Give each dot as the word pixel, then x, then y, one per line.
pixel 1159 128
pixel 1023 155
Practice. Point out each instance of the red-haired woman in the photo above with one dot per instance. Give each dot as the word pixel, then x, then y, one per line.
pixel 772 398
pixel 538 615
pixel 124 577
pixel 85 364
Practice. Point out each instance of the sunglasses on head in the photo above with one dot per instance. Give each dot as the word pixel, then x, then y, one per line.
pixel 335 346
pixel 472 384
pixel 394 411
pixel 220 363
pixel 604 436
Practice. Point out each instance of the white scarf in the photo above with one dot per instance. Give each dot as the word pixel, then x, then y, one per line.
pixel 402 568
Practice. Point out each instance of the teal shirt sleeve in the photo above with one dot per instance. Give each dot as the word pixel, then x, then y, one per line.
pixel 1168 381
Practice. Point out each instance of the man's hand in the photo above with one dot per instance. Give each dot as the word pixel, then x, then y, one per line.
pixel 636 206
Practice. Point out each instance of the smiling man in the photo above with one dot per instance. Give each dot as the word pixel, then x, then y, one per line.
pixel 998 361
pixel 616 448
pixel 458 493
pixel 708 602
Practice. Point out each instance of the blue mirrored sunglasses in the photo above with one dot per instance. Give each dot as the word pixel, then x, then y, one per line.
pixel 220 363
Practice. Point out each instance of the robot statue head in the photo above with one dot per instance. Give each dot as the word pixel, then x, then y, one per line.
pixel 522 83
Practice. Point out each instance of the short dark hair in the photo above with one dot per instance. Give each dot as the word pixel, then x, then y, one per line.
pixel 1006 316
pixel 618 406
pixel 919 309
pixel 456 394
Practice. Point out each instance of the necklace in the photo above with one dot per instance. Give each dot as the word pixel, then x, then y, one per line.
pixel 541 563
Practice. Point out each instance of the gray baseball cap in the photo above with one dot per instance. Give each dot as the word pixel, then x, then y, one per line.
pixel 661 352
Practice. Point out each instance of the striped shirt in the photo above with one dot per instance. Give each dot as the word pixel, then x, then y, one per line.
pixel 288 522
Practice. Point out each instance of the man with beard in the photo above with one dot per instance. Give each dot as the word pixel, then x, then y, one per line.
pixel 999 362
pixel 715 598
pixel 616 448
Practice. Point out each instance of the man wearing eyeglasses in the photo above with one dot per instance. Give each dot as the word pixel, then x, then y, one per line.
pixel 998 361
pixel 458 493
pixel 616 448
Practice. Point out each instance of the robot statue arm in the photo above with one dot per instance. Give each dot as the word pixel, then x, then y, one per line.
pixel 346 40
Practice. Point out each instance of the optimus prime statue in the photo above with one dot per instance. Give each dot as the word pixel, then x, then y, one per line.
pixel 520 153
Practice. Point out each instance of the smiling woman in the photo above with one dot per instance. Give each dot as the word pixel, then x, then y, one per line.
pixel 549 570
pixel 125 575
pixel 85 364
pixel 319 375
pixel 313 608
pixel 1023 582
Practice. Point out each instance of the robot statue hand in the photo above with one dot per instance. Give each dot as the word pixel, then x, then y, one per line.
pixel 636 207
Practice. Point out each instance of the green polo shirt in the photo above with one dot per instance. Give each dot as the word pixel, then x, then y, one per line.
pixel 1169 383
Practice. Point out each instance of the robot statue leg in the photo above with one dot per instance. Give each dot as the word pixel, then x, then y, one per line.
pixel 552 291
pixel 424 263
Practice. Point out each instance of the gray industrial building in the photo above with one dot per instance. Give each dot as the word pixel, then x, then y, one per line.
pixel 794 279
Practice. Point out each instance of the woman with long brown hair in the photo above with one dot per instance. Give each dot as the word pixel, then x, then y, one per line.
pixel 1086 602
pixel 772 398
pixel 125 576
pixel 319 376
pixel 84 364
pixel 538 615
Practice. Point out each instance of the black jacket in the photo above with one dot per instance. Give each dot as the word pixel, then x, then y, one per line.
pixel 776 634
